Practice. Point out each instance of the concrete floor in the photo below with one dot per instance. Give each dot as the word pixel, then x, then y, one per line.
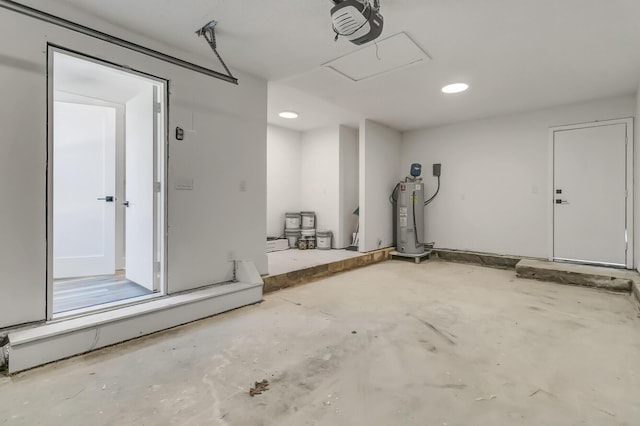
pixel 281 262
pixel 390 344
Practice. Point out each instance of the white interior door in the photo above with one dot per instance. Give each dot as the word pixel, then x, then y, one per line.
pixel 590 187
pixel 84 152
pixel 140 218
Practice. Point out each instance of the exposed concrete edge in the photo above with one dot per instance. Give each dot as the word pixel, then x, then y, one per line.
pixel 491 260
pixel 290 279
pixel 635 290
pixel 4 356
pixel 579 275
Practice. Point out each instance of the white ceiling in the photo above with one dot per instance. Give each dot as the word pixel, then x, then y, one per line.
pixel 516 54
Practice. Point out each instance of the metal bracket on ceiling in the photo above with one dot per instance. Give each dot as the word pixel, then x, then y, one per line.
pixel 209 34
pixel 72 26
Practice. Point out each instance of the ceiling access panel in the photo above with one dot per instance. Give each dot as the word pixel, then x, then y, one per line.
pixel 385 56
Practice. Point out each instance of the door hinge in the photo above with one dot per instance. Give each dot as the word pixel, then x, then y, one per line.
pixel 157 267
pixel 156 186
pixel 157 107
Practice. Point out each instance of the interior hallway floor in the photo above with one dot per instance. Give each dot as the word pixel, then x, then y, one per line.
pixel 70 294
pixel 281 262
pixel 394 343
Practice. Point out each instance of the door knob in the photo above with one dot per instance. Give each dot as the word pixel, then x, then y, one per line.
pixel 108 198
pixel 126 204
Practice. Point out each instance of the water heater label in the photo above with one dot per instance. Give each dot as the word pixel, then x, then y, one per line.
pixel 402 216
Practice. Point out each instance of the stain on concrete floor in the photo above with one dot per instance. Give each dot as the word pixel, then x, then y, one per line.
pixel 525 352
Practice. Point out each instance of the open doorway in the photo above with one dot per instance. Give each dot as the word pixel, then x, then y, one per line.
pixel 105 204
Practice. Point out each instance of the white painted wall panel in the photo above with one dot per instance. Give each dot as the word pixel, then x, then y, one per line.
pixel 379 164
pixel 320 177
pixel 636 198
pixel 283 176
pixel 494 176
pixel 223 217
pixel 349 195
pixel 22 168
pixel 207 226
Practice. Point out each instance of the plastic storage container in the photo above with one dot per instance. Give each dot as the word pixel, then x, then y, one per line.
pixel 292 220
pixel 307 233
pixel 293 235
pixel 323 240
pixel 308 220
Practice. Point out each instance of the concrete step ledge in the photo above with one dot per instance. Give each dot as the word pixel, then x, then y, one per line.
pixel 582 275
pixel 483 259
pixel 56 340
pixel 278 282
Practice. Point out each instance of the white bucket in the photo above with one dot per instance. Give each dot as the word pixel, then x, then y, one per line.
pixel 308 220
pixel 308 233
pixel 292 220
pixel 293 236
pixel 323 240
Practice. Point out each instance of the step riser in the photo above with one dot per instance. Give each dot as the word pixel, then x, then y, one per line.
pixel 48 349
pixel 34 346
pixel 278 282
pixel 636 291
pixel 481 259
pixel 599 280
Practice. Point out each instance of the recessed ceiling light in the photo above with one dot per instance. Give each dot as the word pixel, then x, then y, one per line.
pixel 288 114
pixel 455 88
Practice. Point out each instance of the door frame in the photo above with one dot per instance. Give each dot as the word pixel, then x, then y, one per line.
pixel 629 225
pixel 161 162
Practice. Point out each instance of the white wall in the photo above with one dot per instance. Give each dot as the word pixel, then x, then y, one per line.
pixel 636 180
pixel 225 154
pixel 494 190
pixel 313 171
pixel 320 177
pixel 284 149
pixel 349 195
pixel 379 164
